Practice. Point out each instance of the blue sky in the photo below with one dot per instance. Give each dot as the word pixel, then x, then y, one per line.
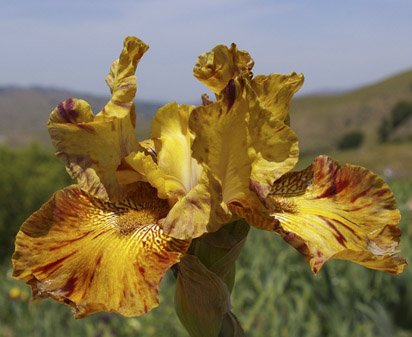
pixel 70 44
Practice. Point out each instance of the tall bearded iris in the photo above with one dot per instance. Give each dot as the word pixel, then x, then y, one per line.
pixel 182 197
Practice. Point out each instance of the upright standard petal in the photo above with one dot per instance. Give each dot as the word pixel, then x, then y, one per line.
pixel 241 144
pixel 95 255
pixel 273 145
pixel 216 68
pixel 275 92
pixel 343 212
pixel 173 145
pixel 221 141
pixel 92 146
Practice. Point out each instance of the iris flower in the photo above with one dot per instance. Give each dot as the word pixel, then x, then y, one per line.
pixel 139 208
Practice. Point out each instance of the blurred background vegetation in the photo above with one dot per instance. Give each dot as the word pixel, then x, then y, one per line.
pixel 275 292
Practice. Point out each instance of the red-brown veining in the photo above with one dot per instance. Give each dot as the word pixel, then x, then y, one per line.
pixel 87 128
pixel 68 242
pixel 338 235
pixel 53 266
pixel 68 288
pixel 230 94
pixel 361 194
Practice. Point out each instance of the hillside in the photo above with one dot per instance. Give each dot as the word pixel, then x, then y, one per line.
pixel 320 120
pixel 24 112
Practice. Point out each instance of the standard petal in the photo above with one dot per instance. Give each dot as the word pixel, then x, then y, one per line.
pixel 95 255
pixel 122 80
pixel 199 211
pixel 273 146
pixel 173 141
pixel 92 146
pixel 343 212
pixel 216 68
pixel 241 143
pixel 146 169
pixel 169 165
pixel 221 141
pixel 275 92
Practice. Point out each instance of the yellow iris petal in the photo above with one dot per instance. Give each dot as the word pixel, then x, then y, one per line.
pixel 122 80
pixel 95 255
pixel 273 145
pixel 92 146
pixel 241 144
pixel 216 68
pixel 275 92
pixel 173 141
pixel 170 168
pixel 200 211
pixel 344 212
pixel 221 141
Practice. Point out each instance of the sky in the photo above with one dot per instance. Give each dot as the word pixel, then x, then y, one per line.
pixel 337 45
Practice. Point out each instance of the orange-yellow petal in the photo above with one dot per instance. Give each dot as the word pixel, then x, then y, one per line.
pixel 169 166
pixel 200 211
pixel 96 255
pixel 273 145
pixel 275 92
pixel 260 106
pixel 221 141
pixel 173 141
pixel 216 68
pixel 242 145
pixel 122 80
pixel 343 212
pixel 92 146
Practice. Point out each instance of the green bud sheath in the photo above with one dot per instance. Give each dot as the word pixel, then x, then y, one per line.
pixel 205 280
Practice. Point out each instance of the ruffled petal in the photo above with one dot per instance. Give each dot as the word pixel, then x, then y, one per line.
pixel 169 166
pixel 275 92
pixel 221 141
pixel 260 104
pixel 216 68
pixel 92 146
pixel 122 80
pixel 95 255
pixel 199 211
pixel 342 212
pixel 273 146
pixel 241 143
pixel 146 169
pixel 173 140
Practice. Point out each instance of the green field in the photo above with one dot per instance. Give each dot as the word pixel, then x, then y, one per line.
pixel 275 292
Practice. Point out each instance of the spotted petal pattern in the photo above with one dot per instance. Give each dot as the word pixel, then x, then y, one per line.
pixel 343 212
pixel 95 255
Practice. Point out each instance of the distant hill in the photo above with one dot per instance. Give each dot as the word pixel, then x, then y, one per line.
pixel 320 120
pixel 24 112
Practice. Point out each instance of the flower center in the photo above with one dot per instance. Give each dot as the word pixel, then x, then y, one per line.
pixel 141 209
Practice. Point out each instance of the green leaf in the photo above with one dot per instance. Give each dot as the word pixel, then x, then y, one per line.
pixel 202 298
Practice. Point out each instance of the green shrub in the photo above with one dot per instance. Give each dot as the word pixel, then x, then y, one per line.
pixel 400 113
pixel 351 140
pixel 28 177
